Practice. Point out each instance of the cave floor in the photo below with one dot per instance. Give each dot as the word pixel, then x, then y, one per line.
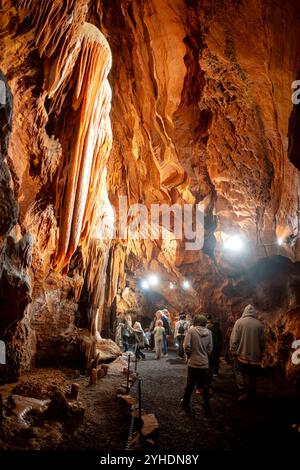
pixel 106 420
pixel 266 422
pixel 105 423
pixel 262 424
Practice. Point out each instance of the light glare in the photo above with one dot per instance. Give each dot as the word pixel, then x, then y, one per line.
pixel 153 280
pixel 233 243
pixel 145 284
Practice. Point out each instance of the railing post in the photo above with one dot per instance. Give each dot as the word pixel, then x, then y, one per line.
pixel 128 372
pixel 140 405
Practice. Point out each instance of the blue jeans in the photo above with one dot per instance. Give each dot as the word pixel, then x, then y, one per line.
pixel 165 345
pixel 125 343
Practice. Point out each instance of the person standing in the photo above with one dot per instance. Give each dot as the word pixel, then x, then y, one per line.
pixel 159 333
pixel 179 333
pixel 226 347
pixel 197 345
pixel 126 331
pixel 247 346
pixel 147 338
pixel 151 329
pixel 166 324
pixel 140 343
pixel 214 360
pixel 118 328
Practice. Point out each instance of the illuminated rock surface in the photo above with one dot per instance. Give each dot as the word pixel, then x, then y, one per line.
pixel 196 108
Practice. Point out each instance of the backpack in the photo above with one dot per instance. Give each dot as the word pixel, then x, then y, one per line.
pixel 181 329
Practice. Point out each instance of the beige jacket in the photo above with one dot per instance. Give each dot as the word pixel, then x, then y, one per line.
pixel 198 342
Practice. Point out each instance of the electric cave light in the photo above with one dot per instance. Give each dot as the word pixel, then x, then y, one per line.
pixel 153 280
pixel 186 284
pixel 145 284
pixel 234 243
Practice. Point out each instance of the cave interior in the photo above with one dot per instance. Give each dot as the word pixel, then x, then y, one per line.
pixel 109 111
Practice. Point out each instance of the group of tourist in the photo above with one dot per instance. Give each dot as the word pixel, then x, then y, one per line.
pixel 202 345
pixel 200 342
pixel 156 336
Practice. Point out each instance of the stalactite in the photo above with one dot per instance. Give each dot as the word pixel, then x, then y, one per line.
pixel 117 277
pixel 89 154
pixel 77 59
pixel 96 249
pixel 57 25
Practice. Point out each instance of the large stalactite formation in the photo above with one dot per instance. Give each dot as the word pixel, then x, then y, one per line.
pixel 164 102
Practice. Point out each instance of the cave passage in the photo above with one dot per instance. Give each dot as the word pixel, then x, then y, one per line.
pixel 149 173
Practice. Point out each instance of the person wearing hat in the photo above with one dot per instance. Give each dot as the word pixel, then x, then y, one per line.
pixel 198 346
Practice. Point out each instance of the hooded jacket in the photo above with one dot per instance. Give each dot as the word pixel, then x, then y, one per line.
pixel 247 337
pixel 198 341
pixel 139 334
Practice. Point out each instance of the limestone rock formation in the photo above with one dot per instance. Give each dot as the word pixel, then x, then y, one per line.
pixel 196 109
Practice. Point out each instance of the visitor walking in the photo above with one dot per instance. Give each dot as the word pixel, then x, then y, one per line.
pixel 118 328
pixel 140 341
pixel 159 333
pixel 217 337
pixel 181 327
pixel 198 346
pixel 226 347
pixel 126 331
pixel 147 338
pixel 166 324
pixel 153 323
pixel 246 346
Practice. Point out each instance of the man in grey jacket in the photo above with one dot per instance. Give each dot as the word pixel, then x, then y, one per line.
pixel 247 345
pixel 198 346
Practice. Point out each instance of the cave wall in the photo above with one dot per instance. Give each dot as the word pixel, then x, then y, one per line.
pixel 206 115
pixel 199 111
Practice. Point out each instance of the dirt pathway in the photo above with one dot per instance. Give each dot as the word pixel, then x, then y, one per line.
pixel 266 422
pixel 106 420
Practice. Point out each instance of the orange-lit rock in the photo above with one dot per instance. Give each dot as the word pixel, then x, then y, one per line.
pixel 200 112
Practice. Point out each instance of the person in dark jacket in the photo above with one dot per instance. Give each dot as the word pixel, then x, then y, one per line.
pixel 197 345
pixel 166 324
pixel 247 346
pixel 217 337
pixel 226 346
pixel 181 328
